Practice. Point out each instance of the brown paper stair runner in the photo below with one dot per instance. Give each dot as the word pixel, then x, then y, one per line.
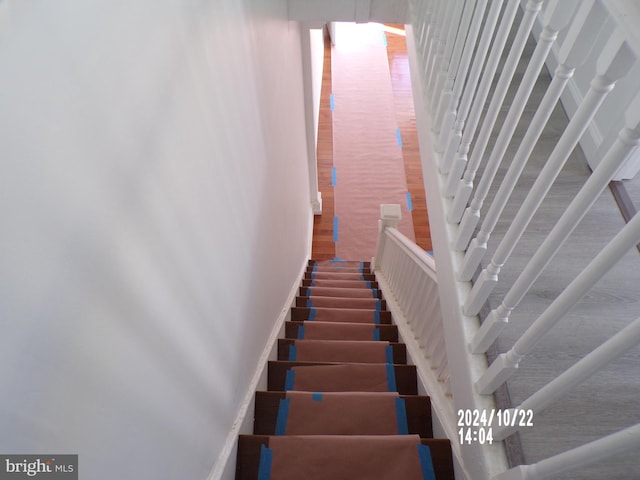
pixel 340 331
pixel 342 402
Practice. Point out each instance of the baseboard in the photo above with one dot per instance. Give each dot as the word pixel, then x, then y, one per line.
pixel 224 468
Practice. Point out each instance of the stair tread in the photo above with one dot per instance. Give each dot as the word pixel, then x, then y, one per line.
pixel 340 330
pixel 249 447
pixel 361 351
pixel 341 302
pixel 306 291
pixel 350 315
pixel 417 407
pixel 320 282
pixel 405 375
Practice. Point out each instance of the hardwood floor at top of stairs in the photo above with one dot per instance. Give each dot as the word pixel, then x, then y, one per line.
pixel 323 246
pixel 342 401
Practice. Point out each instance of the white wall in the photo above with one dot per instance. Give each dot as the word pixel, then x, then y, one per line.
pixel 154 212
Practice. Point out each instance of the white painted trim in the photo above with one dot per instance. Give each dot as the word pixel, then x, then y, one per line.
pixel 224 468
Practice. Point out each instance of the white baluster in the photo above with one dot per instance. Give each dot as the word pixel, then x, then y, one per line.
pixel 443 55
pixel 436 49
pixel 485 85
pixel 455 67
pixel 424 22
pixel 613 63
pixel 626 440
pixel 506 364
pixel 579 41
pixel 557 17
pixel 628 139
pixel 613 348
pixel 447 59
pixel 500 92
pixel 425 313
pixel 456 79
pixel 455 136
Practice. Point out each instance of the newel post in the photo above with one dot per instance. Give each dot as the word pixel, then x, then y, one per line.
pixel 390 216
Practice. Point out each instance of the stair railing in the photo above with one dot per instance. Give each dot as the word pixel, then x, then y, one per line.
pixel 456 48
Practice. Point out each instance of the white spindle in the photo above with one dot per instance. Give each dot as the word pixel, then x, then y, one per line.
pixel 455 136
pixel 456 81
pixel 556 18
pixel 583 456
pixel 499 94
pixel 580 39
pixel 445 12
pixel 485 85
pixel 614 62
pixel 628 139
pixel 455 68
pixel 448 60
pixel 595 361
pixel 506 364
pixel 443 59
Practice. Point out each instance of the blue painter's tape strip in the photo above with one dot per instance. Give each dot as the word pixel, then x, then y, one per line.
pixel 335 230
pixel 376 317
pixel 316 396
pixel 401 415
pixel 378 305
pixel 289 380
pixel 293 353
pixel 361 266
pixel 334 177
pixel 312 314
pixel 264 467
pixel 376 333
pixel 426 462
pixel 409 202
pixel 309 303
pixel 375 292
pixel 368 284
pixel 283 415
pixel 300 332
pixel 399 137
pixel 391 378
pixel 315 267
pixel 313 276
pixel 384 39
pixel 388 353
pixel 332 103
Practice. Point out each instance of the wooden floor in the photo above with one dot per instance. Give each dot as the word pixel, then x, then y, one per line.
pixel 323 245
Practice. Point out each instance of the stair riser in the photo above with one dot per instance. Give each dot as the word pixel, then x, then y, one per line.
pixel 388 333
pixel 399 352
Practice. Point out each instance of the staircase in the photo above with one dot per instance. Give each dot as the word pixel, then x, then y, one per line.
pixel 342 402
